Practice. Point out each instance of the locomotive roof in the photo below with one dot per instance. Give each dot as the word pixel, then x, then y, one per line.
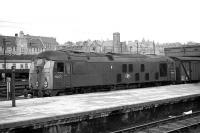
pixel 94 57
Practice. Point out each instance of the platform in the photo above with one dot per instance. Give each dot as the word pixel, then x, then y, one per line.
pixel 30 111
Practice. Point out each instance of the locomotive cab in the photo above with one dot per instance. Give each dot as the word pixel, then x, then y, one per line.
pixel 48 77
pixel 61 75
pixel 40 78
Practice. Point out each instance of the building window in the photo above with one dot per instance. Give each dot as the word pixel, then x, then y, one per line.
pixel 142 68
pixel 130 67
pixel 22 50
pixel 14 64
pixel 26 66
pixel 3 65
pixel 124 68
pixel 21 66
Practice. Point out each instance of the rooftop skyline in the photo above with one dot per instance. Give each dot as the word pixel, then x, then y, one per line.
pixel 163 21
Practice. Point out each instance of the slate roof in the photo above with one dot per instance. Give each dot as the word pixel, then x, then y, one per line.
pixel 10 41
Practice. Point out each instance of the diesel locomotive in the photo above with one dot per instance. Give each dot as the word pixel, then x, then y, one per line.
pixel 68 72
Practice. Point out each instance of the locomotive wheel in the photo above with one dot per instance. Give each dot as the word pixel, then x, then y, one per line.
pixel 48 93
pixel 40 93
pixel 25 92
pixel 113 88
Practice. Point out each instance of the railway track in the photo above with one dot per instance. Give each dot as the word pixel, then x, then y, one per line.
pixel 177 124
pixel 19 89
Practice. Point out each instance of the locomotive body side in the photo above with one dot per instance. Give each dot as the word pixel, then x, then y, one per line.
pixel 65 72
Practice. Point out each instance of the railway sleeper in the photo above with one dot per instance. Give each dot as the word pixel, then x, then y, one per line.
pixel 181 126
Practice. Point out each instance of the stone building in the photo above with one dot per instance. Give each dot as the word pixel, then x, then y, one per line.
pixel 26 44
pixel 10 43
pixel 119 47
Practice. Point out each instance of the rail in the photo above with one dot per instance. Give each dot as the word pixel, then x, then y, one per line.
pixel 160 122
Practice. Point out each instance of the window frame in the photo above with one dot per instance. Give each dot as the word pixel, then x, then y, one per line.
pixel 137 76
pixel 142 68
pixel 163 69
pixel 21 66
pixel 130 67
pixel 62 69
pixel 124 68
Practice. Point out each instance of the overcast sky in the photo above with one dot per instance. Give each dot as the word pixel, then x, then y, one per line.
pixel 74 20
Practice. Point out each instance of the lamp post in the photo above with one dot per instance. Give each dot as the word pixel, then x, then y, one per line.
pixel 13 87
pixel 121 47
pixel 154 48
pixel 4 53
pixel 137 43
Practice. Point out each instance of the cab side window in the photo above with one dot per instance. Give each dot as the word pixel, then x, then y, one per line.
pixel 60 67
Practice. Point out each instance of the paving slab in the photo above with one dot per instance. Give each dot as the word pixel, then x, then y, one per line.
pixel 38 108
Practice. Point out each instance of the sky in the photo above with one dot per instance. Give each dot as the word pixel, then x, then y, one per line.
pixel 163 21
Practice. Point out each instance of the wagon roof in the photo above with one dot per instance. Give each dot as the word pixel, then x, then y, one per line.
pixel 188 58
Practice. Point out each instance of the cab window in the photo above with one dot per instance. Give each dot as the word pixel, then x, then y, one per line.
pixel 60 67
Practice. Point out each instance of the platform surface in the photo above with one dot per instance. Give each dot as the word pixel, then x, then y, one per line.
pixel 38 108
